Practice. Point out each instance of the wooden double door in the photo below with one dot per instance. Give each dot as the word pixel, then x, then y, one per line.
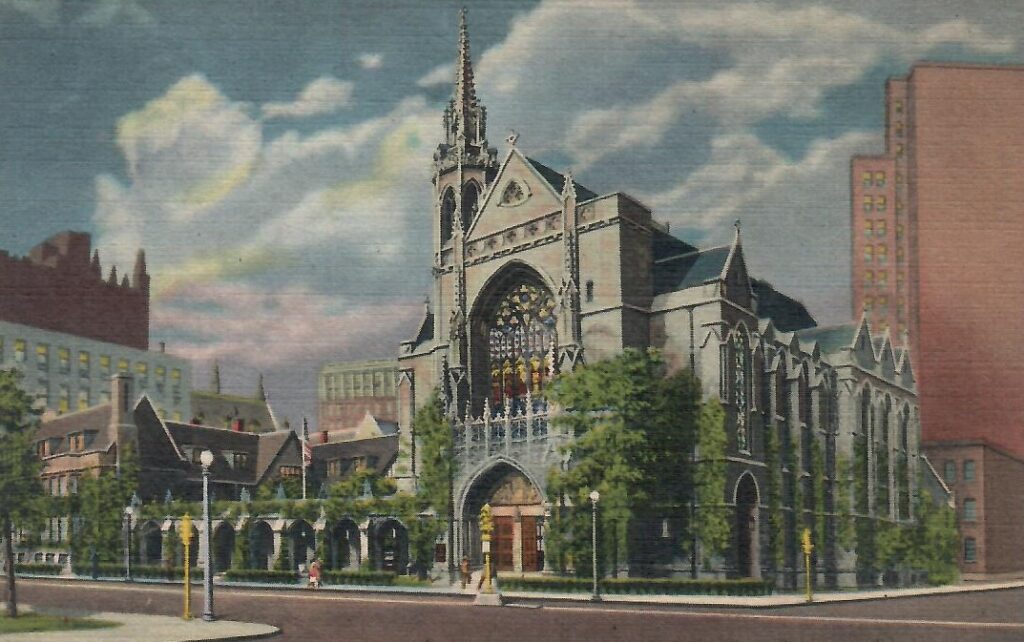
pixel 504 543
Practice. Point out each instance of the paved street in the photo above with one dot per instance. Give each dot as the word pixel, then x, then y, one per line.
pixel 990 616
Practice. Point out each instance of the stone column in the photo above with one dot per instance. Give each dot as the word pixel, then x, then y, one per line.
pixel 364 543
pixel 517 542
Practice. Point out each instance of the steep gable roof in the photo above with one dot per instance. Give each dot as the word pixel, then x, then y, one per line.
pixel 214 408
pixel 830 339
pixel 384 448
pixel 691 269
pixel 557 181
pixel 786 313
pixel 95 418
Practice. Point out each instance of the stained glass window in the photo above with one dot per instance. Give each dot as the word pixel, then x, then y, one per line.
pixel 520 337
pixel 740 367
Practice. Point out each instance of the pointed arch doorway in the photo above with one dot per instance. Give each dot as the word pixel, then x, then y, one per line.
pixel 518 510
pixel 748 549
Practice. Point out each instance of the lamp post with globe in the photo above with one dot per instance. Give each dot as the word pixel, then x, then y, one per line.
pixel 594 497
pixel 206 459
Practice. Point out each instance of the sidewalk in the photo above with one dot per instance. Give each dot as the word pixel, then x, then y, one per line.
pixel 769 601
pixel 151 628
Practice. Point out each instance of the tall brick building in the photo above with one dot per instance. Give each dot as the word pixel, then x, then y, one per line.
pixel 59 286
pixel 938 230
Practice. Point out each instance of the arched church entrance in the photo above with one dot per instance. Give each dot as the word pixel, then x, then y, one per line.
pixel 748 562
pixel 518 511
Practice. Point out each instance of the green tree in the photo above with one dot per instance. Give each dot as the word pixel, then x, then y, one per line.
pixel 101 503
pixel 241 554
pixel 634 427
pixel 20 489
pixel 934 542
pixel 776 518
pixel 434 435
pixel 713 525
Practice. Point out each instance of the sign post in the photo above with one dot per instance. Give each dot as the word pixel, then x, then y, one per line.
pixel 186 540
pixel 808 549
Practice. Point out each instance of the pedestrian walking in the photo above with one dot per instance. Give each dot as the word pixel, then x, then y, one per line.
pixel 464 571
pixel 314 574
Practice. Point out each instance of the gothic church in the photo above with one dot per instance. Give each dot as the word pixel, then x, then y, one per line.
pixel 534 274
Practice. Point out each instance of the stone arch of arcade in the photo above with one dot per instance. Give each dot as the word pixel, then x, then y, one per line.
pixel 517 504
pixel 512 333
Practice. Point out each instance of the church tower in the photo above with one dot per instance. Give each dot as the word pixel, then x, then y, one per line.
pixel 464 166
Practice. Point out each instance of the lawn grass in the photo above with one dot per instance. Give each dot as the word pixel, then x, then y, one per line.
pixel 39 622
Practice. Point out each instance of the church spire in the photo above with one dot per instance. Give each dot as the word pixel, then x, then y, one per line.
pixel 465 119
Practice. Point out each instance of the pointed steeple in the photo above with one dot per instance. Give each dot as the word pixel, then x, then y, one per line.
pixel 261 392
pixel 215 378
pixel 465 119
pixel 112 279
pixel 95 266
pixel 140 278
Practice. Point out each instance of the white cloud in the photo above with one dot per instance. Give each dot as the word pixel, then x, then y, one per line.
pixel 438 76
pixel 324 95
pixel 370 60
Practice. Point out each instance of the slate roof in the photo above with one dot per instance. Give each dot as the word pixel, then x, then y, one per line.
pixel 690 269
pixel 786 313
pixel 219 441
pixel 557 181
pixel 271 445
pixel 95 418
pixel 664 246
pixel 830 338
pixel 385 449
pixel 426 331
pixel 215 408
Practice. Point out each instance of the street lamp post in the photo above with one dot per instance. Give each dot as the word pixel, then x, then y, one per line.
pixel 594 497
pixel 206 459
pixel 129 516
pixel 450 552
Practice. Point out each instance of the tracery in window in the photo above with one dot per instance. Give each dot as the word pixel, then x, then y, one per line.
pixel 741 365
pixel 520 334
pixel 513 194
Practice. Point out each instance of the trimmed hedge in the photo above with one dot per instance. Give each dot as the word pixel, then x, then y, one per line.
pixel 139 571
pixel 38 568
pixel 359 578
pixel 637 586
pixel 260 575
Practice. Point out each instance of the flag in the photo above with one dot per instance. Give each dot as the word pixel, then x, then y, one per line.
pixel 307 449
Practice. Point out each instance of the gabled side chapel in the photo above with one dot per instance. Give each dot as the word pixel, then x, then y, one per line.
pixel 534 274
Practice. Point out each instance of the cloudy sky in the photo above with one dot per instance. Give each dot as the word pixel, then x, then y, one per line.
pixel 273 157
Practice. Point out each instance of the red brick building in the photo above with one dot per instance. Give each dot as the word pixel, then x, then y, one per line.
pixel 59 286
pixel 937 223
pixel 350 390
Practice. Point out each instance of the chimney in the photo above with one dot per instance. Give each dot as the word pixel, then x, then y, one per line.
pixel 323 436
pixel 163 347
pixel 122 421
pixel 238 425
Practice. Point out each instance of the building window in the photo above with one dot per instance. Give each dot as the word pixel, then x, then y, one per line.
pixel 899 128
pixel 899 178
pixel 83 364
pixel 160 375
pixel 880 227
pixel 879 203
pixel 869 228
pixel 43 356
pixel 83 398
pixel 44 391
pixel 105 364
pixel 899 255
pixel 970 510
pixel 898 107
pixel 883 307
pixel 240 460
pixel 122 366
pixel 869 278
pixel 176 415
pixel 970 550
pixel 899 207
pixel 969 470
pixel 64 401
pixel 882 278
pixel 142 372
pixel 76 441
pixel 590 291
pixel 19 350
pixel 881 253
pixel 899 232
pixel 899 150
pixel 869 253
pixel 900 280
pixel 949 474
pixel 868 204
pixel 64 360
pixel 866 179
pixel 290 471
pixel 869 302
pixel 900 312
pixel 880 179
pixel 334 468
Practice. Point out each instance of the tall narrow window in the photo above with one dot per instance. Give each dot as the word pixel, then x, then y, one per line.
pixel 741 365
pixel 869 278
pixel 970 510
pixel 880 203
pixel 520 335
pixel 590 291
pixel 880 179
pixel 869 204
pixel 969 470
pixel 970 550
pixel 869 253
pixel 447 214
pixel 869 228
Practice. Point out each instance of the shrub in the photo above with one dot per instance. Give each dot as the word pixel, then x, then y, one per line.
pixel 359 578
pixel 38 568
pixel 638 586
pixel 260 575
